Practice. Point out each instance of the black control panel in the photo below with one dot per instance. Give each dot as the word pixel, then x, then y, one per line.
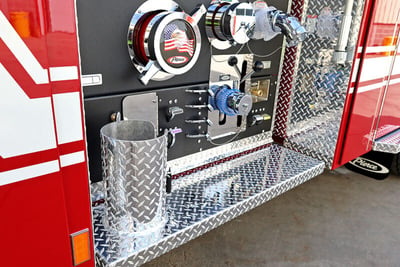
pixel 103 50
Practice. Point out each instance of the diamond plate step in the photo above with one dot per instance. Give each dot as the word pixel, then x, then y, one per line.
pixel 207 199
pixel 389 143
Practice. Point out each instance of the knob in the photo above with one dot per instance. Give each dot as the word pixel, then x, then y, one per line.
pixel 233 61
pixel 242 103
pixel 258 66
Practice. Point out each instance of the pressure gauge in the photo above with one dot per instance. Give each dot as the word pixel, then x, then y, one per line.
pixel 229 22
pixel 163 43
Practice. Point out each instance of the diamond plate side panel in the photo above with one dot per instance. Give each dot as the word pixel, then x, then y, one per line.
pixel 214 154
pixel 386 129
pixel 209 198
pixel 389 143
pixel 311 101
pixel 288 74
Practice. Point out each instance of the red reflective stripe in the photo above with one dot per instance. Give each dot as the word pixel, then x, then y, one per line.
pixel 28 160
pixel 72 147
pixel 17 71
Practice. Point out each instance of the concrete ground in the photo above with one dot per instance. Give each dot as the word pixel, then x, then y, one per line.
pixel 339 218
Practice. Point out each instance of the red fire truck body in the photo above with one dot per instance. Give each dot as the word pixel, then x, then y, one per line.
pixel 45 199
pixel 44 177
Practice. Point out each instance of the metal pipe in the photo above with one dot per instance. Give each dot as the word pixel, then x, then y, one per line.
pixel 340 53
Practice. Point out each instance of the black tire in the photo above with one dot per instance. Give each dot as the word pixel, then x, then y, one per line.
pixel 395 169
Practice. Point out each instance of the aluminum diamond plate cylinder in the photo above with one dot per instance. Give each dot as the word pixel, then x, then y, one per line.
pixel 134 170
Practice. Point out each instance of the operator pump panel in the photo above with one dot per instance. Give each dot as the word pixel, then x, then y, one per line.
pixel 206 72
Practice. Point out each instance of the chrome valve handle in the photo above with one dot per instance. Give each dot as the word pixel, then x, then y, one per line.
pixel 289 26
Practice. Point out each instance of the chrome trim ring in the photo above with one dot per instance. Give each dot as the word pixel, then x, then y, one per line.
pixel 156 46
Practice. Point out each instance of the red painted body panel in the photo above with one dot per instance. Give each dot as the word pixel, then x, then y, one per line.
pixel 62 46
pixel 43 211
pixel 365 94
pixel 391 106
pixel 33 227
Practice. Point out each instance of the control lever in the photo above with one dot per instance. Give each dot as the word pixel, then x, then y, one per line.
pixel 201 106
pixel 200 91
pixel 257 67
pixel 149 71
pixel 233 61
pixel 173 111
pixel 208 121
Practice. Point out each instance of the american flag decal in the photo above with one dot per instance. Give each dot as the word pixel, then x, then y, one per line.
pixel 177 39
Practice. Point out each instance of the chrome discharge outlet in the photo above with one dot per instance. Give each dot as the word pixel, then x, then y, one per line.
pixel 271 22
pixel 163 41
pixel 229 23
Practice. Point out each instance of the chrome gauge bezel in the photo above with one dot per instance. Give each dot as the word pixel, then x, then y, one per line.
pixel 154 43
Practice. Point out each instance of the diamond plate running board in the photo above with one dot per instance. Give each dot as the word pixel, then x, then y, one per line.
pixel 207 199
pixel 389 143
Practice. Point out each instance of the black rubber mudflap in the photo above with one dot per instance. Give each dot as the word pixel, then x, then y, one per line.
pixel 373 164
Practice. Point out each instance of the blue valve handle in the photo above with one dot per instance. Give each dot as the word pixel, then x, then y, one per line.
pixel 220 100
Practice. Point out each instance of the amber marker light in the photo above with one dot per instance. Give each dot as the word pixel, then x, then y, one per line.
pixel 20 22
pixel 80 246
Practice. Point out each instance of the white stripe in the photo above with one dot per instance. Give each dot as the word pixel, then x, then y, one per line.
pixel 22 52
pixel 378 49
pixel 64 73
pixel 27 125
pixel 394 81
pixel 355 70
pixel 72 159
pixel 376 68
pixel 371 87
pixel 29 172
pixel 67 111
pixel 374 86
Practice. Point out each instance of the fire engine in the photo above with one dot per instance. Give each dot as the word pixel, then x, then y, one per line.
pixel 132 127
